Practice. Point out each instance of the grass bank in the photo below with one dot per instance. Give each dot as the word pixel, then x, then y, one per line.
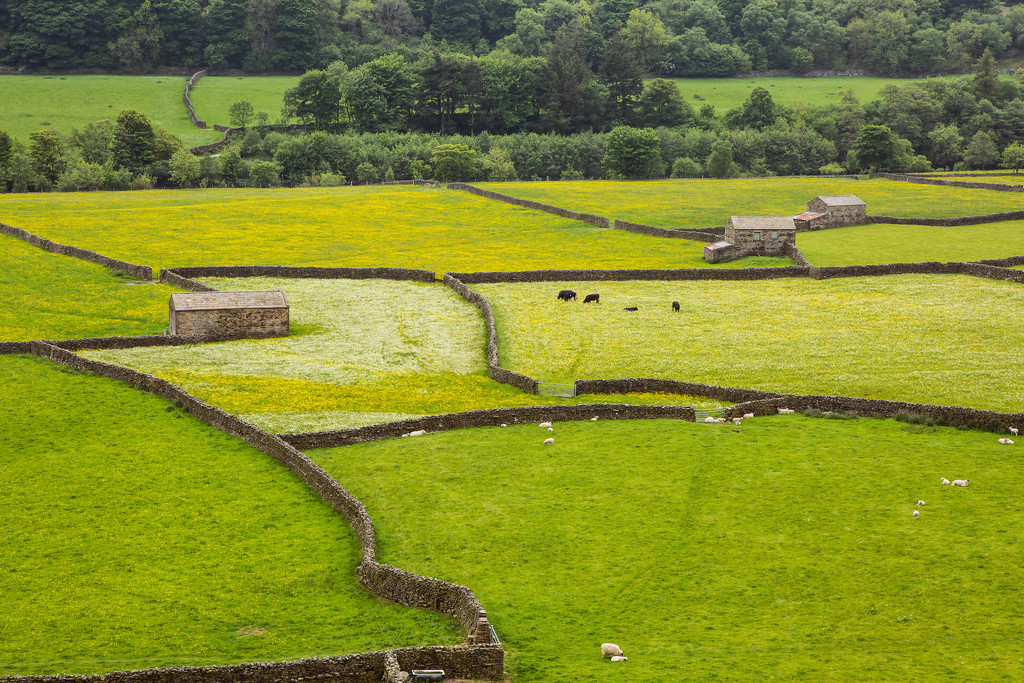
pixel 136 536
pixel 213 95
pixel 783 548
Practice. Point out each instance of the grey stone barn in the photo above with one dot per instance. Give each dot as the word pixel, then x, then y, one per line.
pixel 760 235
pixel 833 212
pixel 229 315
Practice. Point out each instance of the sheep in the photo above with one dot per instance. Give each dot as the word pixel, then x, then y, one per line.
pixel 594 419
pixel 737 420
pixel 786 411
pixel 916 514
pixel 720 420
pixel 504 425
pixel 961 482
pixel 920 503
pixel 1013 430
pixel 544 425
pixel 551 429
pixel 709 419
pixel 610 649
pixel 944 481
pixel 617 658
pixel 747 416
pixel 1005 442
pixel 549 442
pixel 418 432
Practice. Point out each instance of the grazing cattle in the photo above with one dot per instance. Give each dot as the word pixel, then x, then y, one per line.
pixel 631 308
pixel 595 298
pixel 567 294
pixel 675 306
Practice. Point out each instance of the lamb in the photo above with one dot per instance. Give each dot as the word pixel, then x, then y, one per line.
pixel 920 503
pixel 747 416
pixel 551 429
pixel 916 514
pixel 617 658
pixel 1013 430
pixel 944 481
pixel 610 649
pixel 961 482
pixel 1005 442
pixel 709 420
pixel 737 420
pixel 549 442
pixel 594 419
pixel 545 424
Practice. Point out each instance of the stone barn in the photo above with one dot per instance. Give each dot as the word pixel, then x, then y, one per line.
pixel 229 315
pixel 718 252
pixel 844 209
pixel 760 235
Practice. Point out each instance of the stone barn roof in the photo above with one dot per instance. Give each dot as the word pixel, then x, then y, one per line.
pixel 763 223
pixel 221 301
pixel 718 245
pixel 842 200
pixel 807 216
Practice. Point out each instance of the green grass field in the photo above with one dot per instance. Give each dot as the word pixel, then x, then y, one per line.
pixel 881 243
pixel 31 102
pixel 784 548
pixel 212 96
pixel 925 338
pixel 728 93
pixel 47 296
pixel 407 226
pixel 705 203
pixel 136 536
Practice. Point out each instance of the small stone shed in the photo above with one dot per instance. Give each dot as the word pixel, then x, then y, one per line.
pixel 229 315
pixel 836 211
pixel 761 235
pixel 718 252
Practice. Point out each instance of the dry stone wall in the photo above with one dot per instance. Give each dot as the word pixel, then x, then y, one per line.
pixel 141 272
pixel 633 274
pixel 179 275
pixel 599 221
pixel 709 235
pixel 669 386
pixel 196 121
pixel 923 180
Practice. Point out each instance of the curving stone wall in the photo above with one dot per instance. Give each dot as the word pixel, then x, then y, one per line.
pixel 599 221
pixel 196 121
pixel 923 180
pixel 141 272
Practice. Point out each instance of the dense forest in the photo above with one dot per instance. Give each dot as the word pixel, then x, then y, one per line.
pixel 662 37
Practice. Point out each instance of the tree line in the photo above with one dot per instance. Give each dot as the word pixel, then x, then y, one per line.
pixel 664 37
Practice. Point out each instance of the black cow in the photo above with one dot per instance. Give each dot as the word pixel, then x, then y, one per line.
pixel 675 306
pixel 567 294
pixel 596 298
pixel 631 308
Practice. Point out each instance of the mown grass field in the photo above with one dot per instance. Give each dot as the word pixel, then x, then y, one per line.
pixel 212 96
pixel 924 338
pixel 784 548
pixel 705 203
pixel 728 93
pixel 881 243
pixel 136 537
pixel 409 227
pixel 361 352
pixel 47 296
pixel 31 102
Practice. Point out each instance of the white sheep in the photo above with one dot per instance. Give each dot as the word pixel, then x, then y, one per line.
pixel 1005 442
pixel 747 416
pixel 610 649
pixel 551 429
pixel 961 482
pixel 593 419
pixel 1013 430
pixel 618 658
pixel 504 425
pixel 720 420
pixel 418 432
pixel 916 514
pixel 545 424
pixel 549 442
pixel 920 503
pixel 944 481
pixel 737 420
pixel 786 411
pixel 709 420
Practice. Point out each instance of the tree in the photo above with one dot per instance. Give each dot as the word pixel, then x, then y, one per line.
pixel 442 89
pixel 981 151
pixel 6 148
pixel 633 152
pixel 661 104
pixel 134 141
pixel 140 39
pixel 759 110
pixel 224 22
pixel 498 165
pixel 452 163
pixel 947 145
pixel 185 168
pixel 646 36
pixel 876 148
pixel 316 99
pixel 241 113
pixel 720 163
pixel 568 81
pixel 685 167
pixel 93 141
pixel 263 173
pixel 382 93
pixel 985 84
pixel 1013 156
pixel 457 21
pixel 46 151
pixel 296 36
pixel 622 77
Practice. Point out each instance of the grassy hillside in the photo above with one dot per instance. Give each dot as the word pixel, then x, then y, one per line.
pixel 727 93
pixel 136 536
pixel 31 102
pixel 925 338
pixel 47 296
pixel 213 95
pixel 784 548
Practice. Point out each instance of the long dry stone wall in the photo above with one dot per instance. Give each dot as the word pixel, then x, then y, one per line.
pixel 633 274
pixel 669 386
pixel 196 121
pixel 928 267
pixel 380 579
pixel 599 221
pixel 313 272
pixel 950 222
pixel 923 180
pixel 709 235
pixel 499 416
pixel 141 272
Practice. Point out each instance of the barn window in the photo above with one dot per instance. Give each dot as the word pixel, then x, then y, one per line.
pixel 757 237
pixel 775 233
